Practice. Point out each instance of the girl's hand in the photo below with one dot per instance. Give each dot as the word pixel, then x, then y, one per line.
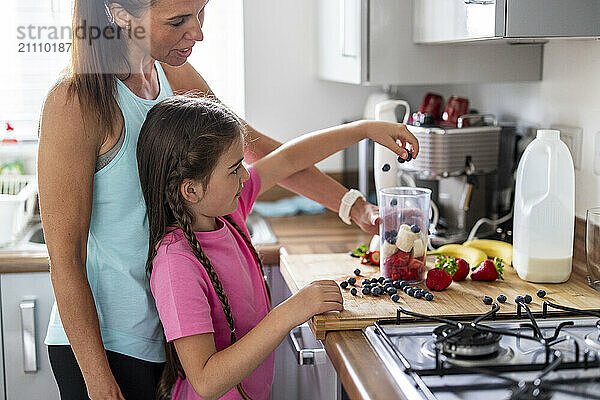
pixel 389 134
pixel 315 298
pixel 366 216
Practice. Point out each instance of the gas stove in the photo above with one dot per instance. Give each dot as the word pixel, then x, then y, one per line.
pixel 553 354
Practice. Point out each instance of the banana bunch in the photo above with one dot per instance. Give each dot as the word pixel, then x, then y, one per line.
pixel 477 251
pixel 493 248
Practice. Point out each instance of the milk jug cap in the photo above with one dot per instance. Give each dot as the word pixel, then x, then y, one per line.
pixel 548 134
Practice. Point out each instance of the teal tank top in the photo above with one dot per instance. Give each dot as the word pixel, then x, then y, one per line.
pixel 117 246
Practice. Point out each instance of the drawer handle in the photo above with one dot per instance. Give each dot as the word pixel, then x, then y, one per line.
pixel 305 356
pixel 483 2
pixel 28 335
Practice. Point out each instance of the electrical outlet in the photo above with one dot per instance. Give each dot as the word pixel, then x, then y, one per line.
pixel 573 138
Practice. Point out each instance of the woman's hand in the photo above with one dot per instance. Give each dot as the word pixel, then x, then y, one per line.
pixel 366 216
pixel 109 390
pixel 392 135
pixel 315 298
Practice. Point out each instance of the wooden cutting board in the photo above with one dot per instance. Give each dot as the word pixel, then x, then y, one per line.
pixel 460 298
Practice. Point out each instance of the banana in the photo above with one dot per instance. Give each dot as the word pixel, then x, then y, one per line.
pixel 472 255
pixel 493 248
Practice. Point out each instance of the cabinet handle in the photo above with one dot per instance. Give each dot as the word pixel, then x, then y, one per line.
pixel 482 2
pixel 305 356
pixel 28 335
pixel 344 8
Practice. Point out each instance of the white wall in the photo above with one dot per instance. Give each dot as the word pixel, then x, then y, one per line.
pixel 284 98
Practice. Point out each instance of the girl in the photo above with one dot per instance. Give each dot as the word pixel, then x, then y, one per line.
pixel 205 275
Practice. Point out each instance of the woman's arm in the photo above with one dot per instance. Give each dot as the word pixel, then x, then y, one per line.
pixel 66 162
pixel 306 150
pixel 204 366
pixel 310 182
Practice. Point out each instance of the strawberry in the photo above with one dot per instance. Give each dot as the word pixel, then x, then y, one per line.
pixel 457 267
pixel 488 270
pixel 398 259
pixel 438 279
pixel 374 257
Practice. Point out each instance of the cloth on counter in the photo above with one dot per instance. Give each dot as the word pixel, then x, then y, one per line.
pixel 289 206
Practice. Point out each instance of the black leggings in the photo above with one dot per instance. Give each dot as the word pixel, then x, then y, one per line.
pixel 136 378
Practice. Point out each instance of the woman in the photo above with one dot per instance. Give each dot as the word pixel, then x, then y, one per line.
pixel 104 337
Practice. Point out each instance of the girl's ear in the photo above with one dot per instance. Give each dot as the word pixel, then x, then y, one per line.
pixel 191 190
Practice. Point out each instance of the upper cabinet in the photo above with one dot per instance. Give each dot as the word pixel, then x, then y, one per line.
pixel 464 20
pixel 371 42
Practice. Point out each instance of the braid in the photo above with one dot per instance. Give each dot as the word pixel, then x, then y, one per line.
pixel 184 221
pixel 254 252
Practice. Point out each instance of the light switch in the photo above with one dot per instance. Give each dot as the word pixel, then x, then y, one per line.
pixel 573 137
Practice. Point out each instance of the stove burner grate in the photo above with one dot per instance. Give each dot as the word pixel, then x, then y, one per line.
pixel 466 341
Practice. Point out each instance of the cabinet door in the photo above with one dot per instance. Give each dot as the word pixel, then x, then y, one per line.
pixel 26 304
pixel 342 30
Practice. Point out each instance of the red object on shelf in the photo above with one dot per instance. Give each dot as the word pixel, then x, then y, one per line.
pixel 9 127
pixel 432 104
pixel 456 107
pixel 9 140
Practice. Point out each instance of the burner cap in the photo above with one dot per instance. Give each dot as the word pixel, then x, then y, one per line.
pixel 469 342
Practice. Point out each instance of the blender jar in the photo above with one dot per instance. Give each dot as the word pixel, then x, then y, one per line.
pixel 404 214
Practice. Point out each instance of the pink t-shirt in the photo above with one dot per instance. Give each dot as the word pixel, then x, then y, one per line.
pixel 188 304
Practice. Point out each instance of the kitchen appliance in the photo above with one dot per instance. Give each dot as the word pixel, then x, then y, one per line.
pixel 525 355
pixel 458 164
pixel 512 20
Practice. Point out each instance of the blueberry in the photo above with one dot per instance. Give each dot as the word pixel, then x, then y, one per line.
pixel 395 298
pixel 418 294
pixel 366 290
pixel 541 293
pixel 403 284
pixel 392 290
pixel 410 292
pixel 390 236
pixel 387 286
pixel 415 229
pixel 381 279
pixel 518 299
pixel 406 288
pixel 357 272
pixel 428 296
pixel 501 298
pixel 401 160
pixel 527 299
pixel 408 157
pixel 388 280
pixel 344 284
pixel 376 291
pixel 487 300
pixel 394 203
pixel 352 281
pixel 366 282
pixel 396 284
pixel 353 291
pixel 374 281
pixel 385 168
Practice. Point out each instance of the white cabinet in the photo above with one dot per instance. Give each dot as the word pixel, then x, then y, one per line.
pixel 378 49
pixel 27 299
pixel 316 379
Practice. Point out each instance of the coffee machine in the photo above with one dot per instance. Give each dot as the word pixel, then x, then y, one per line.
pixel 460 165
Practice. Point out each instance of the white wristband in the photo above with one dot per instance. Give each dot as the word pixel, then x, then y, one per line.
pixel 346 204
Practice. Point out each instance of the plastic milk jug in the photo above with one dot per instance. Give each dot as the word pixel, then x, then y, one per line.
pixel 544 214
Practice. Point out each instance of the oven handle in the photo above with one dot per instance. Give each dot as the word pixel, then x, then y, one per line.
pixel 305 356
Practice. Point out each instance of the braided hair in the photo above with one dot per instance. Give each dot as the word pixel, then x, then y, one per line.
pixel 184 137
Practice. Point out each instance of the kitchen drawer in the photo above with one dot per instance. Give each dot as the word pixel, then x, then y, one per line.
pixel 26 304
